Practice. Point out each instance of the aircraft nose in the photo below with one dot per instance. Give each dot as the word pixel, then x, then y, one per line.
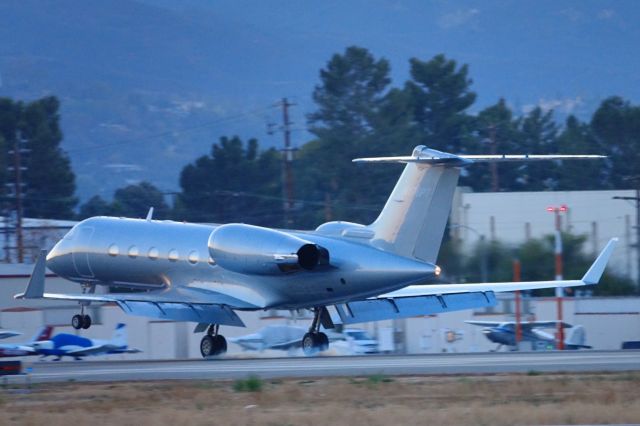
pixel 59 259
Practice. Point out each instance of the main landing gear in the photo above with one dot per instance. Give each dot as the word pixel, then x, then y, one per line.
pixel 315 341
pixel 212 343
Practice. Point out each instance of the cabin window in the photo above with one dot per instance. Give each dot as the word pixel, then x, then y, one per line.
pixel 113 250
pixel 133 252
pixel 173 255
pixel 153 253
pixel 193 257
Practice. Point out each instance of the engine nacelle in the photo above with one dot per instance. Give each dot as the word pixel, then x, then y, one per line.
pixel 249 249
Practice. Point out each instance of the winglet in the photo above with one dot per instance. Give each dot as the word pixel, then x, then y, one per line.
pixel 596 270
pixel 35 288
pixel 150 214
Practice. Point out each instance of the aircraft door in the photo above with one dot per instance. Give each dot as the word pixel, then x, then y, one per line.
pixel 81 253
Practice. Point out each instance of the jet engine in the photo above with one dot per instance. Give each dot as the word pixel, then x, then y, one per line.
pixel 249 249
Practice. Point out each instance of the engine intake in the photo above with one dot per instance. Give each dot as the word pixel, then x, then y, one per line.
pixel 252 249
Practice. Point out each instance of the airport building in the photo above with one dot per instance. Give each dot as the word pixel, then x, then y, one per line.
pixel 515 217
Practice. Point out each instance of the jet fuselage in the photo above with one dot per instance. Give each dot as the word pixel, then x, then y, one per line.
pixel 150 254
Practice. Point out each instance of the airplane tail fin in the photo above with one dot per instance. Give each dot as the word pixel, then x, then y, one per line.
pixel 413 220
pixel 44 333
pixel 120 335
pixel 576 337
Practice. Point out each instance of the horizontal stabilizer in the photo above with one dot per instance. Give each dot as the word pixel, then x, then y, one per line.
pixel 426 155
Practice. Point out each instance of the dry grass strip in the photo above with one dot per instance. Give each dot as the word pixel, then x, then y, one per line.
pixel 375 400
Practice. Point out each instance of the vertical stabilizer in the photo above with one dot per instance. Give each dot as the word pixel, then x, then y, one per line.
pixel 413 220
pixel 44 333
pixel 120 336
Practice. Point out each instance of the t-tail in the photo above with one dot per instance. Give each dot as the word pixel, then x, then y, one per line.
pixel 413 220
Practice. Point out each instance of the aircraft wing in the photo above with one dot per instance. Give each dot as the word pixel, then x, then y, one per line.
pixel 417 300
pixel 525 325
pixel 178 303
pixel 19 347
pixel 592 276
pixel 5 334
pixel 485 323
pixel 283 346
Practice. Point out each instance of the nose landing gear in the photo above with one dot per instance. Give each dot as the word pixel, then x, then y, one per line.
pixel 79 321
pixel 82 320
pixel 212 343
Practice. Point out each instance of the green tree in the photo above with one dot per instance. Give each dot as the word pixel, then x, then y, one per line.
pixel 236 183
pixel 349 100
pixel 48 178
pixel 135 201
pixel 349 95
pixel 616 127
pixel 495 132
pixel 537 133
pixel 95 206
pixel 577 138
pixel 440 93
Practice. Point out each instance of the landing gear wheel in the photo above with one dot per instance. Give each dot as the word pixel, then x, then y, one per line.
pixel 213 345
pixel 86 321
pixel 220 344
pixel 77 321
pixel 206 346
pixel 310 343
pixel 323 341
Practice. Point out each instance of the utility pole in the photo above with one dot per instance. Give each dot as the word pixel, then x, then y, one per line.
pixel 287 164
pixel 17 170
pixel 558 254
pixel 494 166
pixel 637 244
pixel 516 278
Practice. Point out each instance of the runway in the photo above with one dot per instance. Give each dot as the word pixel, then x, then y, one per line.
pixel 331 366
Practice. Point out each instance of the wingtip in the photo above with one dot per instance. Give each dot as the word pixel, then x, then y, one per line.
pixel 596 270
pixel 35 288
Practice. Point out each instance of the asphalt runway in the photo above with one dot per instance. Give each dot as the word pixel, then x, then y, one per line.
pixel 331 366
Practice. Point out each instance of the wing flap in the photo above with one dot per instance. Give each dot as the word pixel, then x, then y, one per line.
pixel 395 308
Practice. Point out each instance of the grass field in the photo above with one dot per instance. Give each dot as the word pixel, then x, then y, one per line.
pixel 529 399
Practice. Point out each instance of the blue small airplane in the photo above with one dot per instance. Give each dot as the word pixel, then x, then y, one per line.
pixel 504 334
pixel 65 344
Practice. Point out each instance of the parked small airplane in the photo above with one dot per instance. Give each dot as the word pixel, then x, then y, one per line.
pixel 277 336
pixel 504 333
pixel 343 272
pixel 5 334
pixel 65 344
pixel 25 349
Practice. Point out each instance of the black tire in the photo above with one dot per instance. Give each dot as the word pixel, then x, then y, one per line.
pixel 309 344
pixel 77 321
pixel 323 341
pixel 86 321
pixel 207 346
pixel 220 344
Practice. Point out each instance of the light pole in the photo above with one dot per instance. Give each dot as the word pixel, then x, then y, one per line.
pixel 556 210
